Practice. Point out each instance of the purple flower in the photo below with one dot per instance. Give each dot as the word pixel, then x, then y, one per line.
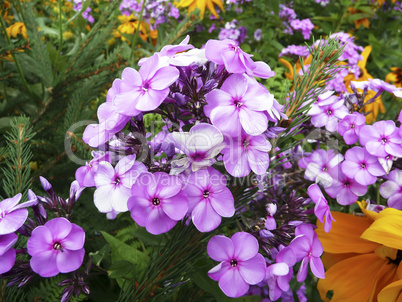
pixel 321 209
pixel 305 26
pixel 245 153
pixel 378 86
pixel 114 184
pixel 328 115
pixel 322 166
pixel 345 189
pixel 201 145
pixel 258 34
pixel 241 264
pixel 146 89
pixel 56 247
pixel 85 175
pixel 239 104
pixel 279 274
pixel 381 138
pixel 349 127
pixel 270 222
pixel 227 53
pixel 209 199
pixel 392 189
pixel 362 166
pixel 7 253
pixel 157 202
pixel 307 248
pixel 300 51
pixel 12 214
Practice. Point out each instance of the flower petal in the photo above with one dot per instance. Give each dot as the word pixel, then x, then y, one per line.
pixel 232 284
pixel 245 246
pixel 45 263
pixel 220 248
pixel 69 261
pixel 253 270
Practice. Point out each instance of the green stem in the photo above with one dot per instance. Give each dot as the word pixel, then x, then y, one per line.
pixel 3 26
pixel 137 32
pixel 60 27
pixel 341 19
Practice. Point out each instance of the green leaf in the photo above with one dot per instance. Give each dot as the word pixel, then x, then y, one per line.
pixel 120 269
pixel 98 256
pixel 122 251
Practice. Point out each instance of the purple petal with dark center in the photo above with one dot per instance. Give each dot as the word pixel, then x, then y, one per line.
pixel 176 206
pixel 223 203
pixel 59 227
pixel 245 246
pixel 253 270
pixel 220 248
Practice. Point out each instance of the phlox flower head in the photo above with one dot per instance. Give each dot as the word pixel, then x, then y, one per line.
pixel 328 115
pixel 279 274
pixel 362 166
pixel 295 50
pixel 209 199
pixel 345 189
pixel 12 214
pixel 157 202
pixel 308 250
pixel 240 263
pixel 392 189
pixel 322 166
pixel 226 52
pixel 246 153
pixel 200 145
pixel 239 104
pixel 7 253
pixel 321 209
pixel 113 185
pixel 85 175
pixel 56 247
pixel 305 26
pixel 146 89
pixel 381 138
pixel 349 127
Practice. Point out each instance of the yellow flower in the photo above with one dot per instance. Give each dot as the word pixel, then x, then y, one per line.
pixel 395 77
pixel 362 257
pixel 201 4
pixel 16 29
pixel 129 25
pixel 67 35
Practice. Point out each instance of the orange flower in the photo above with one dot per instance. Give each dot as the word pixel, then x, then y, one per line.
pixel 16 29
pixel 395 77
pixel 129 25
pixel 362 257
pixel 201 4
pixel 364 21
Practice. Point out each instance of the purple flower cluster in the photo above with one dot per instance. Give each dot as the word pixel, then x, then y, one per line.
pixel 233 32
pixel 85 14
pixel 294 50
pixel 290 21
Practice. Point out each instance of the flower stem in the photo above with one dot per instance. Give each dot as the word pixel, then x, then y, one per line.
pixel 137 32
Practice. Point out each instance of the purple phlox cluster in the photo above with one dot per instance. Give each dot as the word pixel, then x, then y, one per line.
pixel 209 199
pixel 337 83
pixel 392 189
pixel 305 26
pixel 85 14
pixel 381 139
pixel 308 250
pixel 345 189
pixel 321 166
pixel 294 50
pixel 377 86
pixel 226 52
pixel 240 104
pixel 349 127
pixel 74 286
pixel 329 114
pixel 246 153
pixel 351 50
pixel 321 209
pixel 362 166
pixel 157 202
pixel 113 184
pixel 56 247
pixel 233 32
pixel 240 263
pixel 155 12
pixel 201 145
pixel 322 2
pixel 279 274
pixel 286 13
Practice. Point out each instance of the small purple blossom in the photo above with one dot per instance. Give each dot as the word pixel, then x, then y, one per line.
pixel 294 50
pixel 321 209
pixel 209 199
pixel 362 166
pixel 305 26
pixel 349 127
pixel 308 249
pixel 12 214
pixel 56 247
pixel 85 175
pixel 329 115
pixel 157 202
pixel 227 53
pixel 392 189
pixel 381 138
pixel 258 34
pixel 345 189
pixel 241 264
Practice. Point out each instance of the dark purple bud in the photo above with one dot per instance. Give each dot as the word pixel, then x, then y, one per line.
pixel 45 184
pixel 170 150
pixel 180 99
pixel 86 290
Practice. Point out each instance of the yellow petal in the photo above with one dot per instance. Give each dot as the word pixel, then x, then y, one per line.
pixel 352 279
pixel 329 259
pixel 345 233
pixel 392 292
pixel 366 52
pixel 386 275
pixel 289 66
pixel 386 229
